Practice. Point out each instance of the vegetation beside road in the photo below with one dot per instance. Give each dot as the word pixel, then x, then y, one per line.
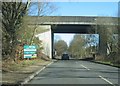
pixel 108 60
pixel 109 63
pixel 12 66
pixel 21 70
pixel 16 33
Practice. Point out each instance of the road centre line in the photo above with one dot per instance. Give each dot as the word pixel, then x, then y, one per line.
pixel 106 80
pixel 85 67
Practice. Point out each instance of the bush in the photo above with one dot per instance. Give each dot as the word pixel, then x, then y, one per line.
pixel 113 57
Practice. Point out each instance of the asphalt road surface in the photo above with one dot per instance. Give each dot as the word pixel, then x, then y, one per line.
pixel 77 72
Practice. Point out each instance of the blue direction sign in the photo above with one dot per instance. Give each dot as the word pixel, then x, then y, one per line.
pixel 30 51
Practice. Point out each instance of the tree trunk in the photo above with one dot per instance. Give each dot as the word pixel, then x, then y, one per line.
pixel 119 39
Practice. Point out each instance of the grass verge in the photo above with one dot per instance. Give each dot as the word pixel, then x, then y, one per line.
pixel 12 66
pixel 109 63
pixel 21 70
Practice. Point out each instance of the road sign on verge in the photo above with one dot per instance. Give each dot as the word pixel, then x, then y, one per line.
pixel 30 51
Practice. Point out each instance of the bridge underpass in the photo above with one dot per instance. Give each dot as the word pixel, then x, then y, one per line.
pixel 71 29
pixel 65 24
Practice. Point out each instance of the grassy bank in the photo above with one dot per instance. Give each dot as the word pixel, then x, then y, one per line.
pixel 21 70
pixel 13 66
pixel 109 63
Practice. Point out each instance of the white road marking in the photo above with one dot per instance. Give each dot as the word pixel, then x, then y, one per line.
pixel 85 67
pixel 33 75
pixel 43 68
pixel 49 63
pixel 106 80
pixel 38 77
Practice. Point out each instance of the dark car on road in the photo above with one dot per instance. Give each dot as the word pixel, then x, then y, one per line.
pixel 65 56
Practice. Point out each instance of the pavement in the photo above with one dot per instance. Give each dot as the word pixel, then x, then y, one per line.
pixel 77 72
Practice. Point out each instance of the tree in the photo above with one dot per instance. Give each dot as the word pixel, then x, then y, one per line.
pixel 14 23
pixel 76 47
pixel 108 38
pixel 43 9
pixel 119 33
pixel 119 40
pixel 106 30
pixel 12 15
pixel 61 47
pixel 91 41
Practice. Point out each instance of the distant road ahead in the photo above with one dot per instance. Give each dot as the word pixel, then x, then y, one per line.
pixel 77 72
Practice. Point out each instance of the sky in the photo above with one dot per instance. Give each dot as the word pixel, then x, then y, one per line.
pixel 85 9
pixel 66 37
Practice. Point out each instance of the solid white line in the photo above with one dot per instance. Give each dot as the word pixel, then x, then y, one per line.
pixel 49 63
pixel 106 80
pixel 43 68
pixel 36 73
pixel 85 67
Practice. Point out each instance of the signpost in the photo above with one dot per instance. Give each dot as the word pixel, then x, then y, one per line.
pixel 30 51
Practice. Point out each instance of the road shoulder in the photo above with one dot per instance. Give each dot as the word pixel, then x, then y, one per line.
pixel 24 74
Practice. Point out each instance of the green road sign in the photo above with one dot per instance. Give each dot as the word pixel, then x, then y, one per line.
pixel 30 51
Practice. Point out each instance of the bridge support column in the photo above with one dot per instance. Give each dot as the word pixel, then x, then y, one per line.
pixel 52 44
pixel 46 38
pixel 102 44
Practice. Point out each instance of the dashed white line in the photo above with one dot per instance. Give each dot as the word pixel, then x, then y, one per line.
pixel 106 80
pixel 85 67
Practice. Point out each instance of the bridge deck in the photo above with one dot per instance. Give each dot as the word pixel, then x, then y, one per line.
pixel 68 20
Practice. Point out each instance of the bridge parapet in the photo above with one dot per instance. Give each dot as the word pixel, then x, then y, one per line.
pixel 69 20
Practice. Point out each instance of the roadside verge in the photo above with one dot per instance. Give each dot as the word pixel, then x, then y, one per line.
pixel 25 73
pixel 105 63
pixel 26 80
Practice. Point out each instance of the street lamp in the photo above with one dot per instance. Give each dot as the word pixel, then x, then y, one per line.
pixel 96 33
pixel 96 26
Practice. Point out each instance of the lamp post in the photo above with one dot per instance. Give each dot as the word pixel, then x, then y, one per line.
pixel 96 33
pixel 96 26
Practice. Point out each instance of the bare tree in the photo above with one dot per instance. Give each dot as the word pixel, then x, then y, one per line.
pixel 12 15
pixel 43 9
pixel 106 30
pixel 36 10
pixel 108 37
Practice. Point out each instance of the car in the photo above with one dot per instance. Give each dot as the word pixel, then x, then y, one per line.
pixel 65 56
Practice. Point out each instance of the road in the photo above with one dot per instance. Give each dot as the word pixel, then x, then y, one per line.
pixel 77 72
